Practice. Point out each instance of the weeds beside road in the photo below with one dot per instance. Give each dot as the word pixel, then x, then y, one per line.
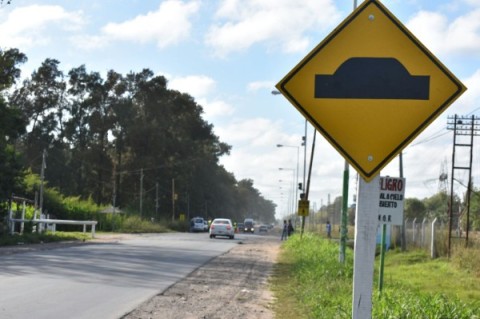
pixel 416 286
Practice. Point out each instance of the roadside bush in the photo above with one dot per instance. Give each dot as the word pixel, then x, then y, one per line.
pixel 134 224
pixel 180 226
pixel 467 259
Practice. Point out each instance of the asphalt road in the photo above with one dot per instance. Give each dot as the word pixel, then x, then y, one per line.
pixel 100 280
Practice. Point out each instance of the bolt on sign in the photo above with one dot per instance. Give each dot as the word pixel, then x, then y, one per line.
pixel 390 201
pixel 370 87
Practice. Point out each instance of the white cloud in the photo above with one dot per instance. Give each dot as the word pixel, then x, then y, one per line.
pixel 167 26
pixel 255 155
pixel 461 35
pixel 279 23
pixel 89 43
pixel 473 2
pixel 25 26
pixel 215 109
pixel 202 88
pixel 260 85
pixel 255 132
pixel 468 102
pixel 197 86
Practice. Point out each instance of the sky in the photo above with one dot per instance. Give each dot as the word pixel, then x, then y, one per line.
pixel 230 54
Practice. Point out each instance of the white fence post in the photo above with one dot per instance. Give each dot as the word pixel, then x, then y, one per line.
pixel 405 230
pixel 423 232
pixel 54 222
pixel 414 230
pixel 11 223
pixel 433 253
pixel 22 225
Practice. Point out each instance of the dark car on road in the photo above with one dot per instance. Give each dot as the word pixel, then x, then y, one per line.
pixel 248 226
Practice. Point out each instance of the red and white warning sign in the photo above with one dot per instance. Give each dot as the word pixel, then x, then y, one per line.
pixel 391 199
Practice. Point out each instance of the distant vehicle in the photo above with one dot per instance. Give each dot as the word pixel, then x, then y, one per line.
pixel 205 225
pixel 248 226
pixel 263 229
pixel 222 227
pixel 240 227
pixel 197 224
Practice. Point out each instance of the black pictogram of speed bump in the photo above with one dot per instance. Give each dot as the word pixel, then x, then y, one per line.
pixel 372 78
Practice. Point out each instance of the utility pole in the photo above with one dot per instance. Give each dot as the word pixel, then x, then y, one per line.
pixel 141 192
pixel 344 226
pixel 464 128
pixel 304 195
pixel 156 201
pixel 114 196
pixel 42 178
pixel 404 237
pixel 173 199
pixel 187 195
pixel 304 155
pixel 308 181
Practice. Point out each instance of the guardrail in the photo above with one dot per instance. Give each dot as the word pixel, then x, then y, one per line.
pixel 54 223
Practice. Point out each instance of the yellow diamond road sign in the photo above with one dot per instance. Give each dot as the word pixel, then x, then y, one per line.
pixel 370 87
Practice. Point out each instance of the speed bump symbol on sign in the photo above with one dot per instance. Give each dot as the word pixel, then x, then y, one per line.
pixel 370 87
pixel 372 78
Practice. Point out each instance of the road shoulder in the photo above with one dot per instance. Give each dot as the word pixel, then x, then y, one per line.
pixel 233 285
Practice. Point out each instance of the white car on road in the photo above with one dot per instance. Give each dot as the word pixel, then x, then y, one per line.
pixel 222 227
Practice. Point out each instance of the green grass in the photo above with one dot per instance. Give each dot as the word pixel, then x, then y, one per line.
pixel 415 270
pixel 415 286
pixel 48 237
pixel 133 224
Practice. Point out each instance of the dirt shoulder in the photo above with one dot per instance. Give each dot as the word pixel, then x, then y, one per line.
pixel 233 285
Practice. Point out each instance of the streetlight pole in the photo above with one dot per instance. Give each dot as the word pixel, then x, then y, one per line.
pixel 288 205
pixel 298 158
pixel 293 177
pixel 304 158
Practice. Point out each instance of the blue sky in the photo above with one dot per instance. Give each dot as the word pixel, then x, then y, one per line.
pixel 229 54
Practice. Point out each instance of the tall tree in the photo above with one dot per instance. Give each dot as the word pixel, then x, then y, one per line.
pixel 414 208
pixel 12 125
pixel 42 101
pixel 124 138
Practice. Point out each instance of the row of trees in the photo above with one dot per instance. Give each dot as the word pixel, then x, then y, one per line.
pixel 126 139
pixel 436 206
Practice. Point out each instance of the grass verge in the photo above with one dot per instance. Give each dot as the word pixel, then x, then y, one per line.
pixel 309 282
pixel 34 238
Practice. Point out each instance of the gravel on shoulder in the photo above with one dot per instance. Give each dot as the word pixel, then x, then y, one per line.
pixel 233 285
